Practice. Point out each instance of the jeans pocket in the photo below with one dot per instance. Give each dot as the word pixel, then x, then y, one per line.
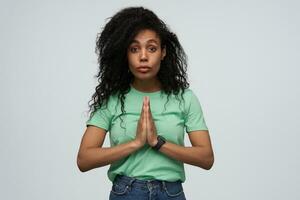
pixel 173 189
pixel 119 188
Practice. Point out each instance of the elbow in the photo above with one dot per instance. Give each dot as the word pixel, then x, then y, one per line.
pixel 81 164
pixel 207 163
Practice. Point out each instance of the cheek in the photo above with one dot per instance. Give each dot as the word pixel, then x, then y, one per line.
pixel 157 63
pixel 131 59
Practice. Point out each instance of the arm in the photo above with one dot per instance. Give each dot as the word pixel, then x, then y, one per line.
pixel 200 154
pixel 92 155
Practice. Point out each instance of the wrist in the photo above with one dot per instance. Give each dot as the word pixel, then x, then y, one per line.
pixel 137 144
pixel 160 142
pixel 153 142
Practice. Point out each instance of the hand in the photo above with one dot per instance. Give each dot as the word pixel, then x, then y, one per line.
pixel 151 129
pixel 141 131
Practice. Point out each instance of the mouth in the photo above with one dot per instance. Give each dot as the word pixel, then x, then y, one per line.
pixel 143 69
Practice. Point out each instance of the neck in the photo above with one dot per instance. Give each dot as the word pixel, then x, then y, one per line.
pixel 147 85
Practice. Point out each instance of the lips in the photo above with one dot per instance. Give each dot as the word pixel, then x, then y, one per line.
pixel 143 68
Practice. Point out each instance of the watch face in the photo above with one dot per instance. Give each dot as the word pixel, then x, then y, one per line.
pixel 161 141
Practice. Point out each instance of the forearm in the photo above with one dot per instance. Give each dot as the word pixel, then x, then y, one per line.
pixel 100 156
pixel 196 155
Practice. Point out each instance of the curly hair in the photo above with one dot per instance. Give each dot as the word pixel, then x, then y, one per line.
pixel 114 76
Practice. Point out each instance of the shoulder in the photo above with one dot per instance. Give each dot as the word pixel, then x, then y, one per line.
pixel 188 94
pixel 107 104
pixel 191 99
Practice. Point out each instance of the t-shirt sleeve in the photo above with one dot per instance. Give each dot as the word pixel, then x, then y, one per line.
pixel 194 119
pixel 101 118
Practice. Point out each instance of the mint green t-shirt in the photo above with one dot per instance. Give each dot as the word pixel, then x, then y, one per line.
pixel 171 121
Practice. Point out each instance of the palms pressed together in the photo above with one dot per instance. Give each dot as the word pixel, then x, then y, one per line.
pixel 146 131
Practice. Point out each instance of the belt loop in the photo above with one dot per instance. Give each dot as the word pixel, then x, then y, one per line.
pixel 164 184
pixel 131 182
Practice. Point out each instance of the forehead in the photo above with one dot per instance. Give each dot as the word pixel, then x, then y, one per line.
pixel 146 36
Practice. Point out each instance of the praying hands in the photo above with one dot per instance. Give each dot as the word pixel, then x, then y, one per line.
pixel 146 131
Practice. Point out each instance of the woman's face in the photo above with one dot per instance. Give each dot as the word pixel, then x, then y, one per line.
pixel 145 54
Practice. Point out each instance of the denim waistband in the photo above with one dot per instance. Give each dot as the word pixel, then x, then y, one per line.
pixel 131 181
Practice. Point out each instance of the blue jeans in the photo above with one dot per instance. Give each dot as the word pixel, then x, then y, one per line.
pixel 129 188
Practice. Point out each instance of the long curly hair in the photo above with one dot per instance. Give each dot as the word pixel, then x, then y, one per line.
pixel 114 76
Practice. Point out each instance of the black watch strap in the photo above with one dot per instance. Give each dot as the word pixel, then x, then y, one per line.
pixel 160 141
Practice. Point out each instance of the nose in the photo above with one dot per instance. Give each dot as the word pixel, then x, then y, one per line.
pixel 143 55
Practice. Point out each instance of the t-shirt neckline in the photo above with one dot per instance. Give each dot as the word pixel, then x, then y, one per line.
pixel 141 93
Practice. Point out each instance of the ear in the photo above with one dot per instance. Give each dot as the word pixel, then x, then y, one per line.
pixel 163 53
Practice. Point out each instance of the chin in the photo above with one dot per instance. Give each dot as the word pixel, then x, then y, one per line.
pixel 144 76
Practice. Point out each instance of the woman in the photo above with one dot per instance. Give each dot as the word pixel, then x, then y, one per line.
pixel 142 71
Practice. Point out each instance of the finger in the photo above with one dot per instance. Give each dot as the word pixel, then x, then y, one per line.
pixel 145 111
pixel 149 106
pixel 143 107
pixel 149 109
pixel 142 118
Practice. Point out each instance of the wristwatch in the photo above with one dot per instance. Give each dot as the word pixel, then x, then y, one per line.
pixel 160 141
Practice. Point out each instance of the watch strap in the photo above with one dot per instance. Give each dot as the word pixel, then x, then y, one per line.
pixel 160 141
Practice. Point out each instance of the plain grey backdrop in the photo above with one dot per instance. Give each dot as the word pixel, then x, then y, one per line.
pixel 243 59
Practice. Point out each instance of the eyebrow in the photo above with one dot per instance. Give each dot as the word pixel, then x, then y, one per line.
pixel 150 40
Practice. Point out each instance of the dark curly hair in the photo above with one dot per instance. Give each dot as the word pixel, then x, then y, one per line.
pixel 114 76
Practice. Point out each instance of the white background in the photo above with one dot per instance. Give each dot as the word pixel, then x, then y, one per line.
pixel 243 59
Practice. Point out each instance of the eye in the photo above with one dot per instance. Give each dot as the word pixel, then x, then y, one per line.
pixel 153 49
pixel 133 49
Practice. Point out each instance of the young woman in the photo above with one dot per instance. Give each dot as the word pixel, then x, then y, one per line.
pixel 143 100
